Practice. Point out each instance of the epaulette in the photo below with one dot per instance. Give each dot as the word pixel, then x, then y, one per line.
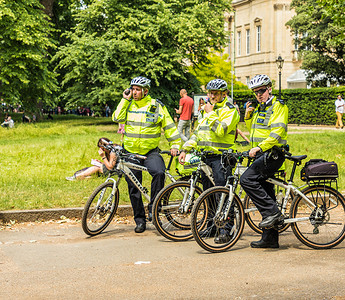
pixel 230 105
pixel 160 102
pixel 281 101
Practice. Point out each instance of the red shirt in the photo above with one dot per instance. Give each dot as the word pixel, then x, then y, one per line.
pixel 187 104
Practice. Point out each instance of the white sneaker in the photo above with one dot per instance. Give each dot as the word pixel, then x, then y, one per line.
pixel 71 178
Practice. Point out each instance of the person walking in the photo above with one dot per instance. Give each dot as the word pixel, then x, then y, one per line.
pixel 144 119
pixel 267 122
pixel 339 110
pixel 107 111
pixel 185 110
pixel 216 130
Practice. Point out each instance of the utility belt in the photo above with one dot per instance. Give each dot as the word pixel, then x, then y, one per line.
pixel 274 153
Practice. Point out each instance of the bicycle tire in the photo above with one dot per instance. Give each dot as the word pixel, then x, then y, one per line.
pixel 166 217
pixel 94 221
pixel 203 224
pixel 324 227
pixel 253 217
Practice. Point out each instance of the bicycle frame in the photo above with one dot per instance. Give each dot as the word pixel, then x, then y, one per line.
pixel 188 194
pixel 296 191
pixel 123 168
pixel 221 215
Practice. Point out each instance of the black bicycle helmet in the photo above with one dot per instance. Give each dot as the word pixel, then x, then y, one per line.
pixel 141 81
pixel 260 80
pixel 217 85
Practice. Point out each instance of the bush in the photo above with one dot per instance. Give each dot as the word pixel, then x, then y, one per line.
pixel 306 106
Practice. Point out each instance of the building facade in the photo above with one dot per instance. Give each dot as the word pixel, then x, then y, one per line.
pixel 258 36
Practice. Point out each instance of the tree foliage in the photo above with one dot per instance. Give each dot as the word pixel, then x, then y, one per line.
pixel 116 40
pixel 217 66
pixel 24 53
pixel 336 10
pixel 316 31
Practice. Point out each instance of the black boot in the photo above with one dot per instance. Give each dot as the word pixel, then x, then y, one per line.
pixel 269 239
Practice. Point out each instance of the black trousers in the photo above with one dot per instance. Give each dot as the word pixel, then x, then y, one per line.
pixel 219 176
pixel 254 183
pixel 156 168
pixel 218 171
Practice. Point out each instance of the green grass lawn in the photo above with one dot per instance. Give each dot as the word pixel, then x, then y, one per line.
pixel 36 158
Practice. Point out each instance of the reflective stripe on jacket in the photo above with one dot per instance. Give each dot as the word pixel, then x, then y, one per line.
pixel 216 129
pixel 268 126
pixel 144 121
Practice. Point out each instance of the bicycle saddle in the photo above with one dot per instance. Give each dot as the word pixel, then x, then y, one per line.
pixel 296 158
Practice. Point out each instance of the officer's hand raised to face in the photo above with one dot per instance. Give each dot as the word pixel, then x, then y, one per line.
pixel 249 110
pixel 208 107
pixel 127 94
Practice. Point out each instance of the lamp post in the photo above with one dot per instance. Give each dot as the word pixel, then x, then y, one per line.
pixel 280 62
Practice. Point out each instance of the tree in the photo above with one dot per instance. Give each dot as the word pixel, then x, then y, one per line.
pixel 24 61
pixel 217 66
pixel 115 41
pixel 336 9
pixel 315 31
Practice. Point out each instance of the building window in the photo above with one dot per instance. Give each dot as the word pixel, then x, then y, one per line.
pixel 258 38
pixel 247 80
pixel 247 41
pixel 305 37
pixel 238 43
pixel 296 40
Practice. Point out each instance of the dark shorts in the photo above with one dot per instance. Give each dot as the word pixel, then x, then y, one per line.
pixel 105 170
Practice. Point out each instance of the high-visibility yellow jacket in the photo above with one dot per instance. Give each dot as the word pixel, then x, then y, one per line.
pixel 216 129
pixel 144 121
pixel 268 124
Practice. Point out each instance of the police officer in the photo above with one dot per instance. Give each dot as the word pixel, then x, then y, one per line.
pixel 216 130
pixel 267 122
pixel 144 118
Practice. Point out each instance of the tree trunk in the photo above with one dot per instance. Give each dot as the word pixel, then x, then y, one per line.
pixel 48 5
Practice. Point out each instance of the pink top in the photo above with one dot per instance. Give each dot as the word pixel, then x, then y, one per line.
pixel 121 128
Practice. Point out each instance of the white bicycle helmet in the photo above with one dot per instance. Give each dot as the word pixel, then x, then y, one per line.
pixel 141 81
pixel 259 80
pixel 217 85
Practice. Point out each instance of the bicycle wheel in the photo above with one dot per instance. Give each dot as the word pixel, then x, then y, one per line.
pixel 166 212
pixel 253 217
pixel 322 224
pixel 99 209
pixel 206 224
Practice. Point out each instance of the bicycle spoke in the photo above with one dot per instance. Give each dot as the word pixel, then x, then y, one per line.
pixel 170 217
pixel 100 209
pixel 324 224
pixel 212 230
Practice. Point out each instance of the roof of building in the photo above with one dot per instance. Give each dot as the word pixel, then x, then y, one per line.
pixel 298 76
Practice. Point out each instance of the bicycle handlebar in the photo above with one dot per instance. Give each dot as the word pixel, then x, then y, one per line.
pixel 120 151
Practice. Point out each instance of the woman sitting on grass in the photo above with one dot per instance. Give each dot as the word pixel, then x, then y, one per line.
pixel 109 161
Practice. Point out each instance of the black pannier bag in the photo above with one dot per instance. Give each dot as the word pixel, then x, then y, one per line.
pixel 319 169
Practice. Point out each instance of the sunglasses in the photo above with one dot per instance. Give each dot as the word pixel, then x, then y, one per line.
pixel 215 93
pixel 260 92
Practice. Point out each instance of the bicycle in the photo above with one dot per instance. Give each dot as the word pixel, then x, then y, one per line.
pixel 102 204
pixel 172 206
pixel 317 213
pixel 252 215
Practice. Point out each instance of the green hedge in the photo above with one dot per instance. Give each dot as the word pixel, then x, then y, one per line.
pixel 306 106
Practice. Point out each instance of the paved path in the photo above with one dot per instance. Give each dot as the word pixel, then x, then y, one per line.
pixel 58 261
